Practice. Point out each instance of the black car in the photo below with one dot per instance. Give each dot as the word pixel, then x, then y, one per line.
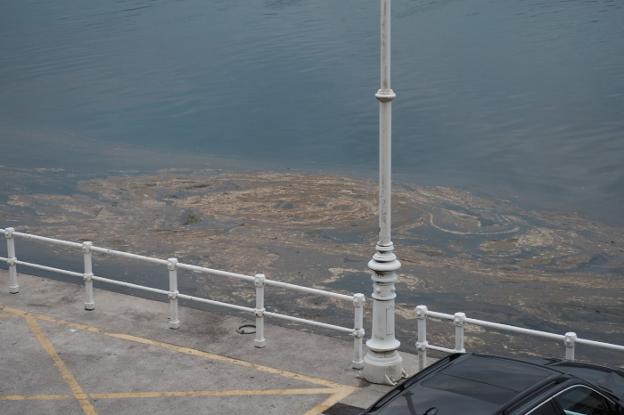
pixel 473 383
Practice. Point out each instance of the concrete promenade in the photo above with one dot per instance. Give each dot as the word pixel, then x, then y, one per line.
pixel 121 358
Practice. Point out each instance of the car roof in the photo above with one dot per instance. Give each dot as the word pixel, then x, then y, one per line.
pixel 468 383
pixel 497 379
pixel 477 383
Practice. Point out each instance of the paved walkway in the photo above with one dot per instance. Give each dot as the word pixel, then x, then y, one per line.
pixel 121 358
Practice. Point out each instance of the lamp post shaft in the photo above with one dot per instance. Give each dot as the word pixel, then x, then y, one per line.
pixel 385 95
pixel 382 363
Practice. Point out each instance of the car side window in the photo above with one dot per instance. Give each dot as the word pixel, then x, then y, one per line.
pixel 583 401
pixel 547 408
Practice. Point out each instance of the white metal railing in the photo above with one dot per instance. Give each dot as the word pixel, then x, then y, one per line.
pixel 459 320
pixel 172 264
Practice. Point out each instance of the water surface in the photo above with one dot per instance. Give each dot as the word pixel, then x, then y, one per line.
pixel 516 99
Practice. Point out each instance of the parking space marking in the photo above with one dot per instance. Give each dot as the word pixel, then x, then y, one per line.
pixel 339 395
pixel 179 349
pixel 81 397
pixel 335 391
pixel 178 394
pixel 35 397
pixel 202 394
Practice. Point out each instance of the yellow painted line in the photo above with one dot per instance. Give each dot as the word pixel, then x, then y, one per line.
pixel 34 397
pixel 337 391
pixel 179 394
pixel 225 359
pixel 4 314
pixel 222 393
pixel 66 374
pixel 342 393
pixel 180 349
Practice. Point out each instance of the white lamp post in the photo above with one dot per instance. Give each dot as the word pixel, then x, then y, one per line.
pixel 382 363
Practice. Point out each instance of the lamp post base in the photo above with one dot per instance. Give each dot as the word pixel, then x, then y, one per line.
pixel 383 363
pixel 384 368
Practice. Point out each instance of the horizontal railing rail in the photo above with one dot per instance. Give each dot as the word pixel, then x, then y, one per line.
pixel 459 320
pixel 173 294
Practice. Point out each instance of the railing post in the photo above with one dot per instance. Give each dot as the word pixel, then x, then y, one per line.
pixel 89 303
pixel 459 320
pixel 569 342
pixel 259 341
pixel 174 322
pixel 421 343
pixel 11 260
pixel 358 330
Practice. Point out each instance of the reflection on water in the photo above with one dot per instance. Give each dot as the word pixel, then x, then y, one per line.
pixel 521 99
